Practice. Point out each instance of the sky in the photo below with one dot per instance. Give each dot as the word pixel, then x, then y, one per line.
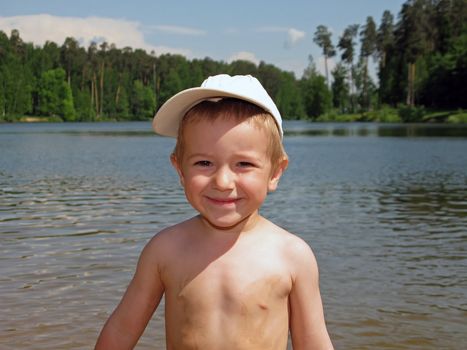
pixel 276 32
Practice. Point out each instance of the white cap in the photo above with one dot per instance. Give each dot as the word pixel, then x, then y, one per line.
pixel 244 87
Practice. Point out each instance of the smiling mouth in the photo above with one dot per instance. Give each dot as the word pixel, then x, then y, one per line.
pixel 223 201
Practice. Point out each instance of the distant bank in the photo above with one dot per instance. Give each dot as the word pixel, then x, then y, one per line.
pixel 384 115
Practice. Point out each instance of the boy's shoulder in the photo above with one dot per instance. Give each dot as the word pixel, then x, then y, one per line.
pixel 172 236
pixel 172 241
pixel 295 248
pixel 188 229
pixel 291 240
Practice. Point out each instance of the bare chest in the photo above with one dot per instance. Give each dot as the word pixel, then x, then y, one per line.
pixel 232 284
pixel 238 297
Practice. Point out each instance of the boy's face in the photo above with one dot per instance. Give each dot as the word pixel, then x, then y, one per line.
pixel 226 170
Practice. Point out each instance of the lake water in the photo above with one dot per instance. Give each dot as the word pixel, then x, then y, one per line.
pixel 383 206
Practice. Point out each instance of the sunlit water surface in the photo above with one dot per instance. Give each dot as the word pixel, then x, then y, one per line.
pixel 384 208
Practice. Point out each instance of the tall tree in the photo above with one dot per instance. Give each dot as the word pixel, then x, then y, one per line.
pixel 346 45
pixel 449 18
pixel 102 55
pixel 143 101
pixel 316 98
pixel 411 37
pixel 288 98
pixel 50 58
pixel 93 68
pixel 69 55
pixel 17 77
pixel 385 37
pixel 242 67
pixel 17 44
pixel 385 48
pixel 367 48
pixel 340 88
pixel 269 75
pixel 322 38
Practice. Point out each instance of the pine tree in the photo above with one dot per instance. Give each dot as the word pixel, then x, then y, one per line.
pixel 323 39
pixel 346 44
pixel 367 49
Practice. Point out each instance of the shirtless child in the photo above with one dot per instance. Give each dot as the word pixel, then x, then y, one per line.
pixel 231 278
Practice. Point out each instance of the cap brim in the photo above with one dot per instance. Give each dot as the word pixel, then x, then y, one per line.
pixel 168 117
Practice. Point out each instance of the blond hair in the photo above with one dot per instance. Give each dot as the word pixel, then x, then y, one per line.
pixel 239 110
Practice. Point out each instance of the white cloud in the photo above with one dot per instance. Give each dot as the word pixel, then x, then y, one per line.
pixel 293 36
pixel 244 55
pixel 178 30
pixel 41 28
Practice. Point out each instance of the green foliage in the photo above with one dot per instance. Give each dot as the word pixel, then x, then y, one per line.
pixel 269 76
pixel 346 43
pixel 444 84
pixel 458 118
pixel 242 67
pixel 340 89
pixel 55 98
pixel 385 114
pixel 68 109
pixel 368 38
pixel 322 38
pixel 317 97
pixel 123 105
pixel 416 69
pixel 84 110
pixel 17 86
pixel 422 60
pixel 143 102
pixel 2 97
pixel 409 114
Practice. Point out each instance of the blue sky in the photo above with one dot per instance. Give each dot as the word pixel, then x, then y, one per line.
pixel 277 32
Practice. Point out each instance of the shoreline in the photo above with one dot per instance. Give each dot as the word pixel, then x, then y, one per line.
pixel 384 115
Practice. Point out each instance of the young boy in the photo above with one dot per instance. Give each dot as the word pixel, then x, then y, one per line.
pixel 231 278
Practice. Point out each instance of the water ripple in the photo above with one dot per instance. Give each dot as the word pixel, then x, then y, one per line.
pixel 386 217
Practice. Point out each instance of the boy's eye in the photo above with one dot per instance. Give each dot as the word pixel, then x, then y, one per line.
pixel 203 163
pixel 245 164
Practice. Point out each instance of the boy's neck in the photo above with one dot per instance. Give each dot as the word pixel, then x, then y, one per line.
pixel 240 228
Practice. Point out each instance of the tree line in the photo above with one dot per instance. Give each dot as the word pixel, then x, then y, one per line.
pixel 420 59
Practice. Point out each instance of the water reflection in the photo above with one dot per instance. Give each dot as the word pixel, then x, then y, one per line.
pixel 373 129
pixel 291 128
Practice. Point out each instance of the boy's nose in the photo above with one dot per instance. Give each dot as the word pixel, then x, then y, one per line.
pixel 224 179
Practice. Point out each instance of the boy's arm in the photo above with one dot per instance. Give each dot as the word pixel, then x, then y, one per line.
pixel 126 324
pixel 307 325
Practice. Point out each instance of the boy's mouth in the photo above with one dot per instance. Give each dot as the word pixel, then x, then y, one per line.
pixel 223 201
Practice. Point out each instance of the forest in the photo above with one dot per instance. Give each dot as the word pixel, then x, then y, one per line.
pixel 420 56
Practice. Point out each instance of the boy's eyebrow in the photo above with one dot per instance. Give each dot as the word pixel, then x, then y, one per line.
pixel 198 155
pixel 247 155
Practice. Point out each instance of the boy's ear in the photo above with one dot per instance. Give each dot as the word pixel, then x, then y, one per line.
pixel 177 167
pixel 276 175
